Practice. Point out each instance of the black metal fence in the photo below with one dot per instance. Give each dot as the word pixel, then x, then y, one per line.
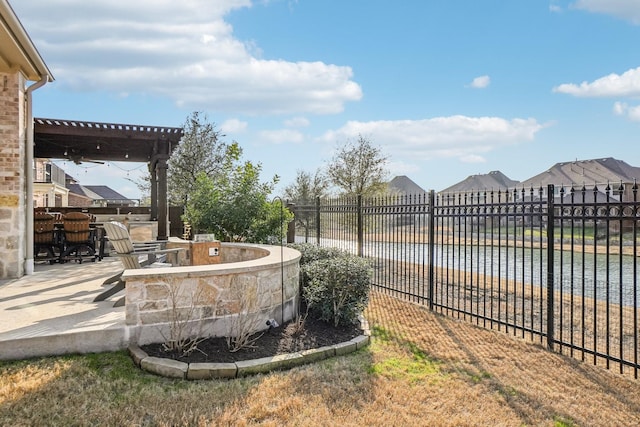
pixel 555 265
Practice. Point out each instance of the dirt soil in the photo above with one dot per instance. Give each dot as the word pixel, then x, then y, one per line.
pixel 288 338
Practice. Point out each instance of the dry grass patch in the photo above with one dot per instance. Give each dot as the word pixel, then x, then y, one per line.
pixel 421 369
pixel 534 386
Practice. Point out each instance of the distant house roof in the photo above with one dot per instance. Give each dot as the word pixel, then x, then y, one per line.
pixel 105 192
pixel 402 184
pixel 77 189
pixel 494 180
pixel 579 172
pixel 97 192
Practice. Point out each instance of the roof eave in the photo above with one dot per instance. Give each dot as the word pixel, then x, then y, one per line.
pixel 30 63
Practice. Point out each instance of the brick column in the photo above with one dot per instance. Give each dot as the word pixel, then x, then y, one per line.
pixel 12 176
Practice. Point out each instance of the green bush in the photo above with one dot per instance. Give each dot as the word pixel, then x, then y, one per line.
pixel 311 252
pixel 337 289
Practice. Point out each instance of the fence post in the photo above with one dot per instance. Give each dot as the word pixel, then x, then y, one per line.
pixel 359 225
pixel 432 244
pixel 550 266
pixel 318 220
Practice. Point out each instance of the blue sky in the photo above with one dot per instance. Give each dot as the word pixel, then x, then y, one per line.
pixel 446 88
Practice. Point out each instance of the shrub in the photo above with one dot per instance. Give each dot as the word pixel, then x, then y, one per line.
pixel 184 331
pixel 337 289
pixel 311 252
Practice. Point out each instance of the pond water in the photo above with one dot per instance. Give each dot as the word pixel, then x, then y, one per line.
pixel 614 278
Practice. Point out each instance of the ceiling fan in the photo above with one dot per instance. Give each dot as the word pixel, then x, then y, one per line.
pixel 79 158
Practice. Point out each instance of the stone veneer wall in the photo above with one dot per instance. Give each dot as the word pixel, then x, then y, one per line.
pixel 213 299
pixel 12 179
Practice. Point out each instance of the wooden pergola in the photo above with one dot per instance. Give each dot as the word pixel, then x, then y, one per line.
pixel 92 141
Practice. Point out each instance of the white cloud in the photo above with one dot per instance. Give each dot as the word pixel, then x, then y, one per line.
pixel 459 137
pixel 398 167
pixel 625 9
pixel 619 108
pixel 555 8
pixel 634 113
pixel 623 109
pixel 183 50
pixel 480 82
pixel 281 136
pixel 234 126
pixel 473 158
pixel 297 122
pixel 627 84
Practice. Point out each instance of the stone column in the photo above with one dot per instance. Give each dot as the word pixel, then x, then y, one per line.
pixel 12 175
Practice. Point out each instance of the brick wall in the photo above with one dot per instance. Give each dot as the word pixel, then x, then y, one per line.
pixel 76 200
pixel 12 178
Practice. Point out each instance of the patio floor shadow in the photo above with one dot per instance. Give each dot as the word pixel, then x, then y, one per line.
pixel 52 311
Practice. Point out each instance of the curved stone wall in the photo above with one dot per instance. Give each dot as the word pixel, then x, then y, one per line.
pixel 255 283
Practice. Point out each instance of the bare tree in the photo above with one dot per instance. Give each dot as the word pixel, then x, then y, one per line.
pixel 303 192
pixel 358 168
pixel 307 187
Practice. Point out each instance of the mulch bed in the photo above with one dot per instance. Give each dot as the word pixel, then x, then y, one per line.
pixel 284 339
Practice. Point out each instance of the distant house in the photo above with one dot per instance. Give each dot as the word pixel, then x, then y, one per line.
pixel 494 180
pixel 404 185
pixel 49 185
pixel 598 173
pixel 96 196
pixel 52 187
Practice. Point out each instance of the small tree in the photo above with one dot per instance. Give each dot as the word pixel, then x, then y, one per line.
pixel 358 168
pixel 236 207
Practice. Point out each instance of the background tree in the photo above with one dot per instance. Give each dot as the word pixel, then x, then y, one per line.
pixel 235 206
pixel 200 151
pixel 307 187
pixel 358 168
pixel 221 193
pixel 303 193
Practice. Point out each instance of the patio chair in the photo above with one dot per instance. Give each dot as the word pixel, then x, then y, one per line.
pixel 78 237
pixel 133 255
pixel 45 237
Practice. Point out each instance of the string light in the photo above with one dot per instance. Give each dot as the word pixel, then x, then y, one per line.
pixel 126 169
pixel 109 164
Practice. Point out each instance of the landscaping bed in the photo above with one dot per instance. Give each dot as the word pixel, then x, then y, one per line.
pixel 288 338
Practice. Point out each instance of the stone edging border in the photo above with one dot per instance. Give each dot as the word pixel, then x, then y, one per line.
pixel 199 371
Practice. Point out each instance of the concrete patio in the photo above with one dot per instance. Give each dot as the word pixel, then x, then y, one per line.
pixel 52 311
